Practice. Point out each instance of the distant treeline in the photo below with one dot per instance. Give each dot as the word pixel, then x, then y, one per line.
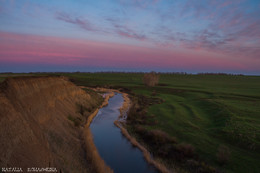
pixel 174 73
pixel 223 74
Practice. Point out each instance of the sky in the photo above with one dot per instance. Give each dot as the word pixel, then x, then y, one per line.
pixel 130 35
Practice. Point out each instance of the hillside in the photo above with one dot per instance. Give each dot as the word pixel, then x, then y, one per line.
pixel 41 123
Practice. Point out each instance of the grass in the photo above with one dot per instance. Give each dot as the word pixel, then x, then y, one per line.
pixel 204 111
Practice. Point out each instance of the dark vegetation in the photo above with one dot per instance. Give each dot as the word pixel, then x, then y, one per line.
pixel 90 107
pixel 201 123
pixel 223 154
pixel 76 121
pixel 86 109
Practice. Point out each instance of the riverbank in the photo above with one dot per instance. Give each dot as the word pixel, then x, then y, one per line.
pixel 91 151
pixel 120 123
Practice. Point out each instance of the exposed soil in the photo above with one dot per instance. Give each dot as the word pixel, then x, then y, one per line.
pixel 41 126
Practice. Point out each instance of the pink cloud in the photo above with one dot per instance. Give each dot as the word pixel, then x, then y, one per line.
pixel 60 51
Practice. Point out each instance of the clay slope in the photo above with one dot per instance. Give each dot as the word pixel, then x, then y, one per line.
pixel 41 123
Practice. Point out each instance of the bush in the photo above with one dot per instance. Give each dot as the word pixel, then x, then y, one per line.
pixel 200 167
pixel 154 93
pixel 76 121
pixel 186 149
pixel 151 79
pixel 223 154
pixel 161 137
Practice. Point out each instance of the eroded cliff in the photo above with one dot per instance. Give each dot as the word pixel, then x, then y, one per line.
pixel 41 123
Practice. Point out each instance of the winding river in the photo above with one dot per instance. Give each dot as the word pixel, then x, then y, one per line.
pixel 113 147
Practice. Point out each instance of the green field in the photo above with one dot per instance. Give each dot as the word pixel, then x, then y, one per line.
pixel 205 111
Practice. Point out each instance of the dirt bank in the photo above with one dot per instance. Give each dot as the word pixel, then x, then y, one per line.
pixel 42 122
pixel 120 124
pixel 92 155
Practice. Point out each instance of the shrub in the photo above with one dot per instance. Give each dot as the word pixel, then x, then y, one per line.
pixel 154 93
pixel 199 166
pixel 82 109
pixel 161 137
pixel 76 121
pixel 151 79
pixel 186 149
pixel 223 154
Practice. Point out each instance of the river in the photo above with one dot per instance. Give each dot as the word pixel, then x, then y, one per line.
pixel 113 147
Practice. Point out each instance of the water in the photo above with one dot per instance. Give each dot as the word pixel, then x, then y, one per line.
pixel 113 147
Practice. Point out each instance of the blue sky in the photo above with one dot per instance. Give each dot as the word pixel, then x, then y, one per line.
pixel 226 31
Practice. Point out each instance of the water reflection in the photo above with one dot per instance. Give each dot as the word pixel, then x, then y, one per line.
pixel 112 146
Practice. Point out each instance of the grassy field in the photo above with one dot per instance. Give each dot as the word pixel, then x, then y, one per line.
pixel 206 111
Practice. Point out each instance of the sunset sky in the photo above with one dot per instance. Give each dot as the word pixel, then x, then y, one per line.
pixel 130 35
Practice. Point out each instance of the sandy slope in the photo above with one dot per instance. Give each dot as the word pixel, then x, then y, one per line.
pixel 34 127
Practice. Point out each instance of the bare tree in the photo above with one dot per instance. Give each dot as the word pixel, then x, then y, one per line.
pixel 151 79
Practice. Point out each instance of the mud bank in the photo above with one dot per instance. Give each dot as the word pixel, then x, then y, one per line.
pixel 92 153
pixel 120 123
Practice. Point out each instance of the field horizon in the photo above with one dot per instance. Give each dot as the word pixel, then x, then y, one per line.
pixel 214 117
